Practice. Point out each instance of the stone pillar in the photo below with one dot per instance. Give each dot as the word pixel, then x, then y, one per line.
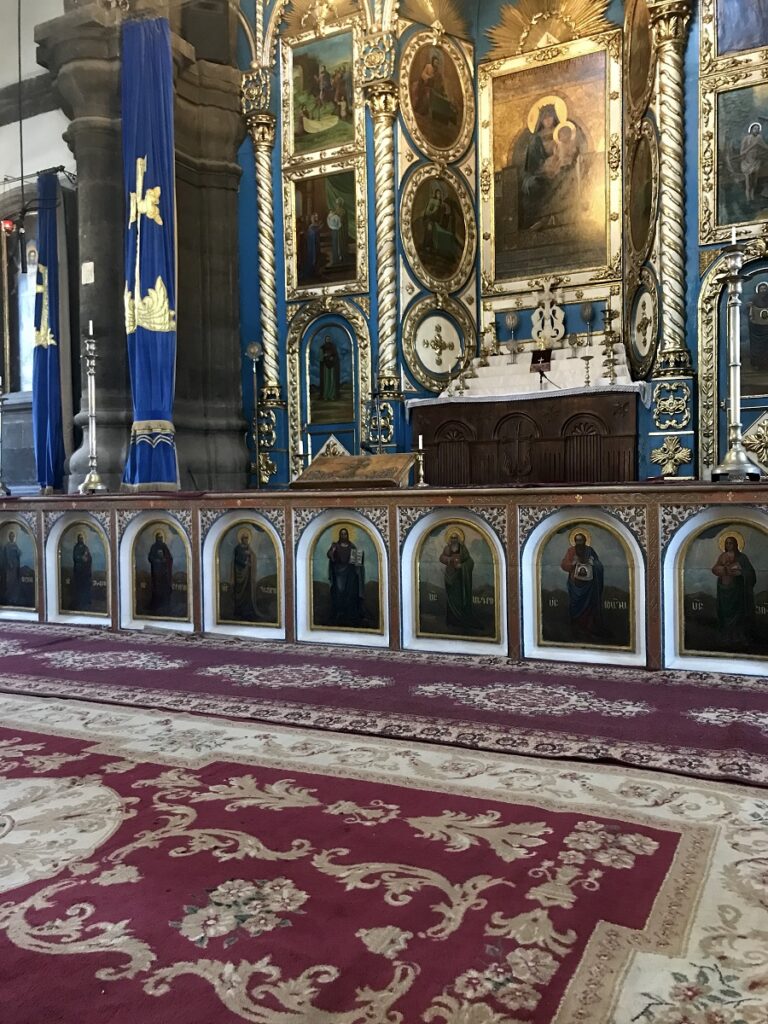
pixel 208 416
pixel 670 20
pixel 382 98
pixel 81 50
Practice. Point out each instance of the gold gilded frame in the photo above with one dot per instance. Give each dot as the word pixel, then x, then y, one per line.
pixel 636 109
pixel 709 61
pixel 713 286
pixel 645 131
pixel 611 44
pixel 444 525
pixel 358 284
pixel 446 176
pixel 710 89
pixel 413 319
pixel 680 590
pixel 250 523
pixel 571 525
pixel 99 530
pixel 21 525
pixel 166 524
pixel 447 154
pixel 297 329
pixel 333 153
pixel 339 524
pixel 647 283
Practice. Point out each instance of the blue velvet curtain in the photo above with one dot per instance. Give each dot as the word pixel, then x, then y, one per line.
pixel 150 252
pixel 46 373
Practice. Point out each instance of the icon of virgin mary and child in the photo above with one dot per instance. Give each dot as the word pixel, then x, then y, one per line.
pixel 549 156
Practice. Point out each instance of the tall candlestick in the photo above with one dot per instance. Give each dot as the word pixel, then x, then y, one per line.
pixel 92 483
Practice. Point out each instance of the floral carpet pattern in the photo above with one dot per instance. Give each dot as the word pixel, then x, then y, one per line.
pixel 701 724
pixel 166 868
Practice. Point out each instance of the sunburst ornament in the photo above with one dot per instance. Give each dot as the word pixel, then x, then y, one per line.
pixel 533 24
pixel 443 15
pixel 317 15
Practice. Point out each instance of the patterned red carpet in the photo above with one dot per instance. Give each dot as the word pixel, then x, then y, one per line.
pixel 167 868
pixel 700 724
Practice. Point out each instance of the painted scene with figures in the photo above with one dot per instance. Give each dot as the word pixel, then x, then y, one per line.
pixel 457 581
pixel 84 570
pixel 160 557
pixel 585 586
pixel 248 577
pixel 345 580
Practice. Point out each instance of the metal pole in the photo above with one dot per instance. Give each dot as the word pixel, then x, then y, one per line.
pixel 3 488
pixel 255 351
pixel 739 465
pixel 6 300
pixel 93 483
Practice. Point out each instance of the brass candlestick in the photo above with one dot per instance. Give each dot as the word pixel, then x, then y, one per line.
pixel 739 465
pixel 93 483
pixel 255 351
pixel 586 360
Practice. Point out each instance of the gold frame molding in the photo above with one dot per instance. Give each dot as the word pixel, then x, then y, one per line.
pixel 571 524
pixel 636 109
pixel 99 530
pixel 166 524
pixel 334 153
pixel 253 522
pixel 611 44
pixel 710 89
pixel 295 291
pixel 645 131
pixel 297 328
pixel 418 312
pixel 709 60
pixel 647 283
pixel 439 174
pixel 487 534
pixel 447 154
pixel 342 522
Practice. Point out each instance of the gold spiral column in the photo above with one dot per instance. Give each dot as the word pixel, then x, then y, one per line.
pixel 670 20
pixel 261 128
pixel 382 98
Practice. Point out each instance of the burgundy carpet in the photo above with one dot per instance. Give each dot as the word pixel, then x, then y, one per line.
pixel 701 724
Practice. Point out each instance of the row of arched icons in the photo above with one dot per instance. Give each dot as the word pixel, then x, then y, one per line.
pixel 582 573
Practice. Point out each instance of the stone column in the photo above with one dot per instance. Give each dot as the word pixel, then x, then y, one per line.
pixel 208 415
pixel 81 49
pixel 382 98
pixel 670 20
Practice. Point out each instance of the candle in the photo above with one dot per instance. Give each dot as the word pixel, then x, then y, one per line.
pixel 421 441
pixel 90 328
pixel 733 236
pixel 301 447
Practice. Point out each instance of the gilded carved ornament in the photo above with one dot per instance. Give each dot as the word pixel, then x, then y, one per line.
pixel 671 456
pixel 442 15
pixel 538 25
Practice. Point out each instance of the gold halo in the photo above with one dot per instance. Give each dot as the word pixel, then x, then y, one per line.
pixel 574 532
pixel 736 534
pixel 244 530
pixel 454 530
pixel 564 124
pixel 556 101
pixel 338 527
pixel 161 530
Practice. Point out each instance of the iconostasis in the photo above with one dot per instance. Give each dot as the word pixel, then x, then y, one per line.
pixel 447 178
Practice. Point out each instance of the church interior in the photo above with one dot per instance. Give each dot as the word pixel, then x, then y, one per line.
pixel 383 463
